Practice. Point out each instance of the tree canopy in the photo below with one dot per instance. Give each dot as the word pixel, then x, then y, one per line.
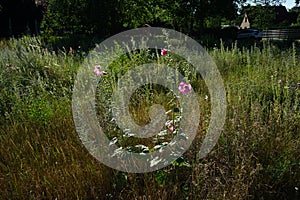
pixel 107 16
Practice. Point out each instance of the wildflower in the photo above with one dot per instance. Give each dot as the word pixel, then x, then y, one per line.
pixel 163 52
pixel 170 126
pixel 185 88
pixel 206 98
pixel 279 81
pixel 98 72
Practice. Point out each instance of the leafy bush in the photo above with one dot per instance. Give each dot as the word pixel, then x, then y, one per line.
pixel 29 71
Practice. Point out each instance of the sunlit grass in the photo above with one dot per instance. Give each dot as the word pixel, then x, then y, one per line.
pixel 258 154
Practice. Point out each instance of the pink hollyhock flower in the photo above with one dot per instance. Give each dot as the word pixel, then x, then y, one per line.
pixel 98 72
pixel 163 52
pixel 170 126
pixel 185 88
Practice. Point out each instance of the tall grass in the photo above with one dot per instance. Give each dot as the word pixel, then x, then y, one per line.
pixel 257 155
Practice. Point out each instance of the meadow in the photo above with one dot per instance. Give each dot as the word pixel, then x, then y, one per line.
pixel 256 157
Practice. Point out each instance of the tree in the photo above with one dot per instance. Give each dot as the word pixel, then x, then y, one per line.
pixel 268 2
pixel 109 16
pixel 82 16
pixel 17 17
pixel 261 17
pixel 190 16
pixel 64 16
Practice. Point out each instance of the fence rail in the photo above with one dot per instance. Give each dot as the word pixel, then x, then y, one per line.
pixel 282 34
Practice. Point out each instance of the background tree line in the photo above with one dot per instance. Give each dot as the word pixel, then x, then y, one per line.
pixel 20 17
pixel 107 17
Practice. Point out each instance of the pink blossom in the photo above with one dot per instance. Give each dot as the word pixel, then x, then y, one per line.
pixel 98 72
pixel 185 88
pixel 170 126
pixel 163 52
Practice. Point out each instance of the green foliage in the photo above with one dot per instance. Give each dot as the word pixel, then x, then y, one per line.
pixel 268 2
pixel 29 73
pixel 107 17
pixel 261 17
pixel 162 178
pixel 65 16
pixel 257 156
pixel 37 110
pixel 82 17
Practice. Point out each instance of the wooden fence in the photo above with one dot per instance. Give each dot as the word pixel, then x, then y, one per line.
pixel 292 34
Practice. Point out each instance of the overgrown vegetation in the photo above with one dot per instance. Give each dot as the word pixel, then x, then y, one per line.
pixel 257 155
pixel 107 17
